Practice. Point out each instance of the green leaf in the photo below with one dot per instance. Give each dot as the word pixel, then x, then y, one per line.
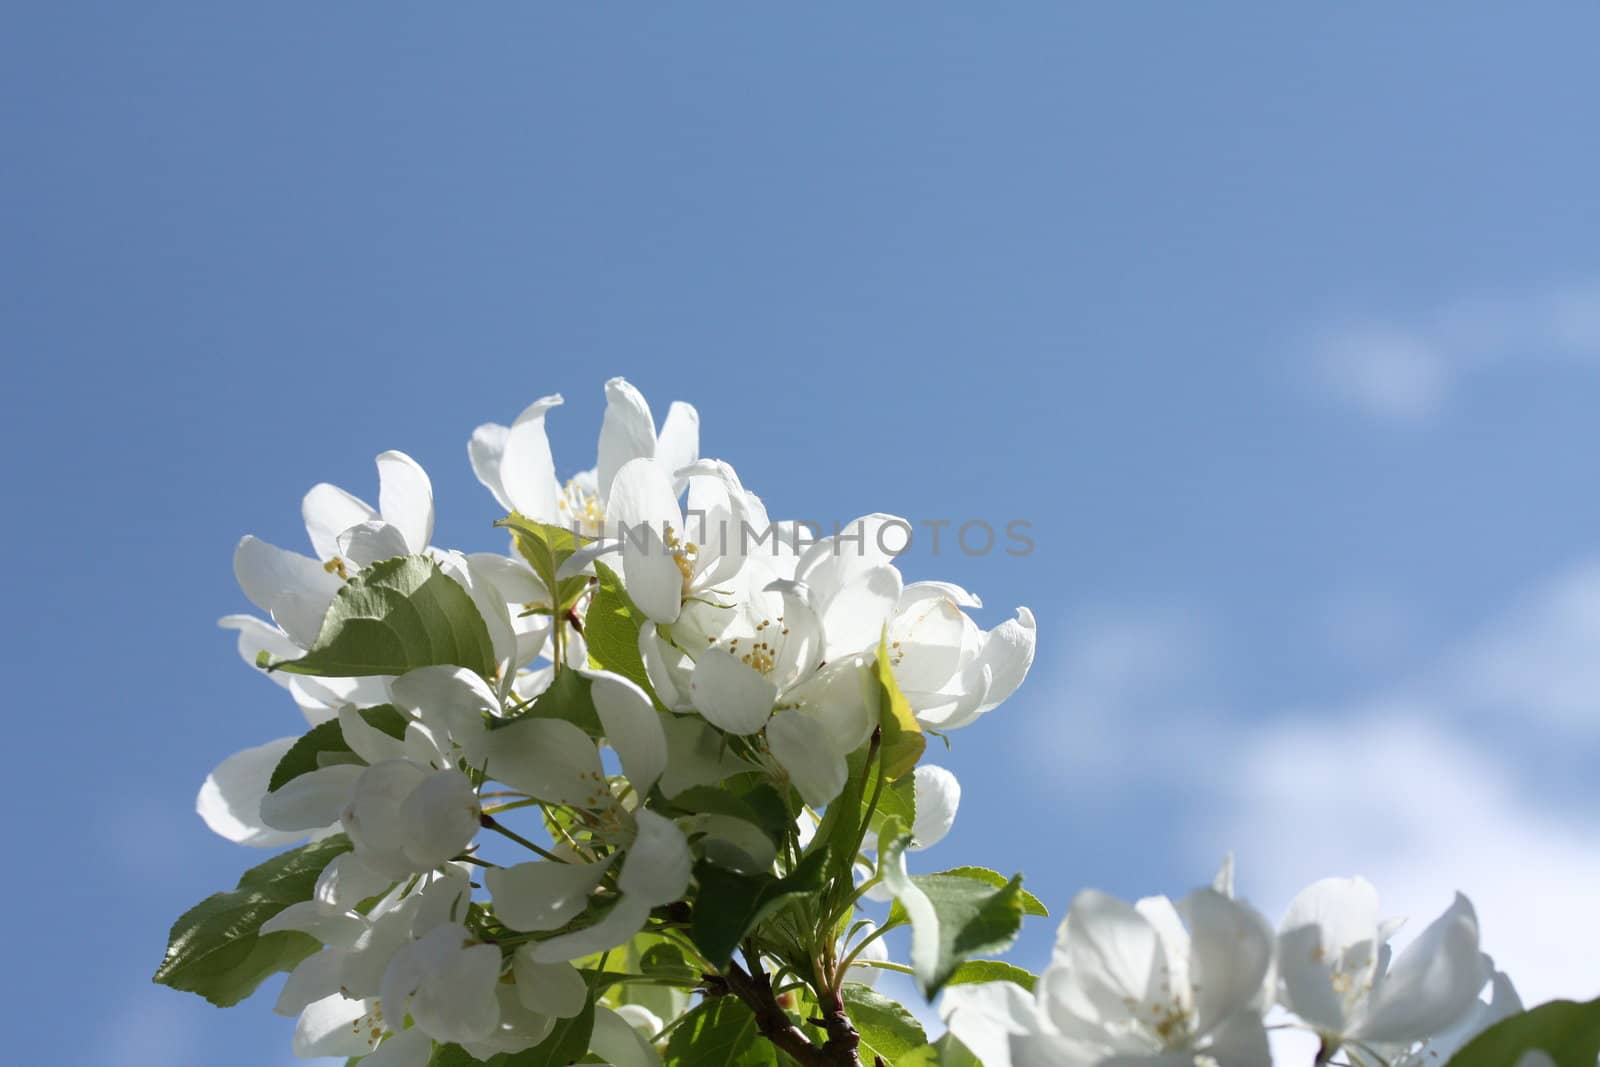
pixel 839 832
pixel 730 904
pixel 746 796
pixel 903 742
pixel 946 1052
pixel 667 960
pixel 719 1032
pixel 887 1029
pixel 952 917
pixel 611 629
pixel 973 972
pixel 567 698
pixel 565 1044
pixel 324 744
pixel 1566 1031
pixel 393 617
pixel 897 801
pixel 216 949
pixel 1031 905
pixel 546 548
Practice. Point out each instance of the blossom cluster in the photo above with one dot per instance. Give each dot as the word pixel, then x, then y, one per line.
pixel 752 662
pixel 629 792
pixel 1199 979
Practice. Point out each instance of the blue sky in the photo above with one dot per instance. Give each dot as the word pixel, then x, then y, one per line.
pixel 1281 326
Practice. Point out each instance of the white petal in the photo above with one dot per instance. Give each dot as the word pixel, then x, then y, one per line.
pixel 405 498
pixel 458 1001
pixel 658 863
pixel 485 450
pixel 452 699
pixel 642 495
pixel 441 817
pixel 697 755
pixel 542 894
pixel 632 726
pixel 257 636
pixel 1432 983
pixel 547 758
pixel 408 1048
pixel 983 1016
pixel 548 988
pixel 618 927
pixel 230 799
pixel 313 800
pixel 1113 960
pixel 294 589
pixel 855 617
pixel 679 443
pixel 813 765
pixel 938 795
pixel 340 929
pixel 316 977
pixel 329 1028
pixel 1331 923
pixel 651 575
pixel 527 469
pixel 1240 1041
pixel 346 882
pixel 366 740
pixel 841 701
pixel 618 1043
pixel 1007 654
pixel 328 512
pixel 731 694
pixel 1231 950
pixel 513 578
pixel 367 543
pixel 626 433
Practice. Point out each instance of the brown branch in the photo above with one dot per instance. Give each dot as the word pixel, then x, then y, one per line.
pixel 754 987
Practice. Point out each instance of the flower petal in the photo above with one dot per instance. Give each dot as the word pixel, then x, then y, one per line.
pixel 731 694
pixel 618 927
pixel 542 894
pixel 367 543
pixel 627 432
pixel 527 469
pixel 547 758
pixel 405 498
pixel 295 590
pixel 658 863
pixel 679 443
pixel 230 799
pixel 815 767
pixel 938 795
pixel 1432 983
pixel 632 726
pixel 329 511
pixel 485 450
pixel 555 989
pixel 1231 946
pixel 312 801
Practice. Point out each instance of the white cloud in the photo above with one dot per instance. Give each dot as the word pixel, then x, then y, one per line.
pixel 1395 794
pixel 1412 787
pixel 1404 370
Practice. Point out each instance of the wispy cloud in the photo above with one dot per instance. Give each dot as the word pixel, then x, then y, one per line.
pixel 1404 370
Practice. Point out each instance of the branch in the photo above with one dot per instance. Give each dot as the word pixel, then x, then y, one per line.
pixel 754 987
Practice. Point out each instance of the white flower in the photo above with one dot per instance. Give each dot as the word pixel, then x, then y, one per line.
pixel 1334 960
pixel 445 981
pixel 547 894
pixel 950 671
pixel 669 559
pixel 515 463
pixel 1157 982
